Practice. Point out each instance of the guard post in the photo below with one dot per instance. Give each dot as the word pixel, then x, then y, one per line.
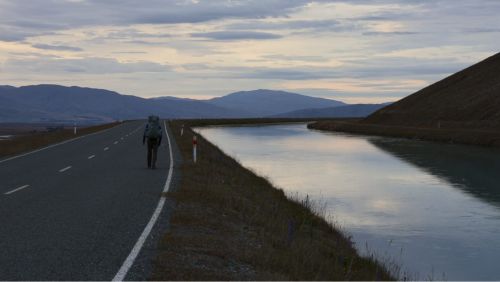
pixel 195 142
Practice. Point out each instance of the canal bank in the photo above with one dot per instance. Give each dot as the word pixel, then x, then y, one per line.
pixel 231 224
pixel 481 137
pixel 432 207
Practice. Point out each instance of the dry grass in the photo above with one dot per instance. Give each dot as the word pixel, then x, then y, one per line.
pixel 450 135
pixel 35 141
pixel 230 224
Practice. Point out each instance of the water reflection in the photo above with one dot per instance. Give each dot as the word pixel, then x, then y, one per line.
pixel 475 170
pixel 391 194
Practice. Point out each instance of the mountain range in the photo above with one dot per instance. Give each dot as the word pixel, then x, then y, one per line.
pixel 55 103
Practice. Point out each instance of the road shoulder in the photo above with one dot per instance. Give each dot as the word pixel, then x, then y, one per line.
pixel 143 266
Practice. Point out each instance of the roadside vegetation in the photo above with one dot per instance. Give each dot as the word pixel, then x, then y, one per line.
pixel 231 224
pixel 36 140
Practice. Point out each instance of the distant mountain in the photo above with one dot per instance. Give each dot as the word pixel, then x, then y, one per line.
pixel 355 110
pixel 54 103
pixel 173 98
pixel 469 98
pixel 262 103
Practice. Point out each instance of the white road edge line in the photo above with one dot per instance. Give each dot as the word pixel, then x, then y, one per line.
pixel 64 169
pixel 91 157
pixel 17 189
pixel 129 261
pixel 116 142
pixel 106 148
pixel 64 142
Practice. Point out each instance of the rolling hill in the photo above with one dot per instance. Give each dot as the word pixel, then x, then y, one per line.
pixel 60 104
pixel 54 103
pixel 262 102
pixel 469 98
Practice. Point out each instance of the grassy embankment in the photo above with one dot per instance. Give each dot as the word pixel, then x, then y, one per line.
pixel 483 137
pixel 35 141
pixel 230 224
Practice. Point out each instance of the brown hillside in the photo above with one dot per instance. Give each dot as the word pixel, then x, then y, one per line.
pixel 467 99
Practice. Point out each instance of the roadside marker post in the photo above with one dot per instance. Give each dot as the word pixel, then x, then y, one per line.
pixel 182 130
pixel 74 128
pixel 195 142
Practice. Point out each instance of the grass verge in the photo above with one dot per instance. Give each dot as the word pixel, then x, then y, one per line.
pixel 463 136
pixel 231 224
pixel 35 141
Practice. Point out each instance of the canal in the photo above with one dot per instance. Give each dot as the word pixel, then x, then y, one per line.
pixel 432 208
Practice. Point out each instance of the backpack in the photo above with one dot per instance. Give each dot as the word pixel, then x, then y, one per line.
pixel 154 129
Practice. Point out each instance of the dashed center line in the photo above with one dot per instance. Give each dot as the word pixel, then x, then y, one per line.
pixel 116 142
pixel 64 169
pixel 17 189
pixel 91 157
pixel 107 148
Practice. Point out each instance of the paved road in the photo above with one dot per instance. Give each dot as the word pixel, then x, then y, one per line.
pixel 75 211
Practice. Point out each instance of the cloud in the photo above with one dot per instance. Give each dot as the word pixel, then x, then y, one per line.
pixel 284 74
pixel 57 47
pixel 84 65
pixel 134 33
pixel 12 34
pixel 64 15
pixel 329 24
pixel 296 58
pixel 237 35
pixel 368 69
pixel 284 41
pixel 482 30
pixel 145 42
pixel 130 52
pixel 204 11
pixel 389 33
pixel 20 20
pixel 32 55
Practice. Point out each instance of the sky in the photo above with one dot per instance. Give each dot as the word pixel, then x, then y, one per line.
pixel 357 51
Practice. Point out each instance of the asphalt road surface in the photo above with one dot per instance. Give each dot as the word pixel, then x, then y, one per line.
pixel 76 211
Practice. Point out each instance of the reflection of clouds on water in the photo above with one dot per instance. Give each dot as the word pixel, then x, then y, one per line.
pixel 384 205
pixel 384 189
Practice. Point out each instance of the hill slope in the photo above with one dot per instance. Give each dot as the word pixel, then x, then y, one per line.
pixel 261 103
pixel 469 98
pixel 356 110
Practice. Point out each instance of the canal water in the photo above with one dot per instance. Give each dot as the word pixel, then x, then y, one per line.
pixel 433 208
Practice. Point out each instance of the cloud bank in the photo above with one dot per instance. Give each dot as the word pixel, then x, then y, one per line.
pixel 382 49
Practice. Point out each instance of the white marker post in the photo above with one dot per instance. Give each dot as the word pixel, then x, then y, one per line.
pixel 195 142
pixel 182 130
pixel 74 128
